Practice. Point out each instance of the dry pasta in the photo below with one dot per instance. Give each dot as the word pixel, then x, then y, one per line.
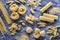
pixel 22 10
pixel 8 20
pixel 54 10
pixel 13 7
pixel 41 24
pixel 51 16
pixel 46 7
pixel 2 27
pixel 23 37
pixel 36 33
pixel 14 27
pixel 29 29
pixel 14 16
pixel 32 11
pixel 43 18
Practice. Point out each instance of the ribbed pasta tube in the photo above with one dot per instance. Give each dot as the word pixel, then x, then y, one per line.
pixel 51 16
pixel 46 7
pixel 43 18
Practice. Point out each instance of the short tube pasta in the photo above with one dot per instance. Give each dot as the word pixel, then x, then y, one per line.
pixel 51 16
pixel 46 7
pixel 43 18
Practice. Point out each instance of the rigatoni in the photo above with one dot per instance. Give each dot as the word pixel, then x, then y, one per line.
pixel 46 7
pixel 51 16
pixel 43 18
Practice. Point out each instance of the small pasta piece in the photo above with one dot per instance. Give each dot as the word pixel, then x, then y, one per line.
pixel 42 33
pixel 14 16
pixel 23 37
pixel 54 10
pixel 41 24
pixel 14 27
pixel 29 29
pixel 33 18
pixel 23 23
pixel 51 16
pixel 46 7
pixel 13 32
pixel 43 18
pixel 36 33
pixel 51 37
pixel 13 7
pixel 22 10
pixel 32 11
pixel 3 29
pixel 55 33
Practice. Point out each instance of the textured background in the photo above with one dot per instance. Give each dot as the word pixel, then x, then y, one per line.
pixel 56 3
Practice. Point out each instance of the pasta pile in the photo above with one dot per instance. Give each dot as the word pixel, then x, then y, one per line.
pixel 19 13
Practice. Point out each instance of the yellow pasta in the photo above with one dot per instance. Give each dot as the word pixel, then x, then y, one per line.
pixel 51 16
pixel 8 20
pixel 32 11
pixel 46 7
pixel 14 27
pixel 14 16
pixel 29 29
pixel 51 37
pixel 13 7
pixel 36 33
pixel 2 27
pixel 22 10
pixel 41 24
pixel 43 18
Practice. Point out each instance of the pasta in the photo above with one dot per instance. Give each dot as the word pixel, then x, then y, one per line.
pixel 46 7
pixel 43 18
pixel 22 10
pixel 41 24
pixel 14 27
pixel 23 37
pixel 2 27
pixel 51 16
pixel 13 7
pixel 53 30
pixel 8 20
pixel 29 29
pixel 36 33
pixel 54 10
pixel 42 33
pixel 14 16
pixel 30 19
pixel 32 11
pixel 51 37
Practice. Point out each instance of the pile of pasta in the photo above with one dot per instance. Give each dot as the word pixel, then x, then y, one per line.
pixel 18 11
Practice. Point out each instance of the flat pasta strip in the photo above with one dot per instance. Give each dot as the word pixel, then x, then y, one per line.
pixel 9 21
pixel 2 27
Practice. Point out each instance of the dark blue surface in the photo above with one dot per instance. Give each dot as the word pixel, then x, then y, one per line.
pixel 37 14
